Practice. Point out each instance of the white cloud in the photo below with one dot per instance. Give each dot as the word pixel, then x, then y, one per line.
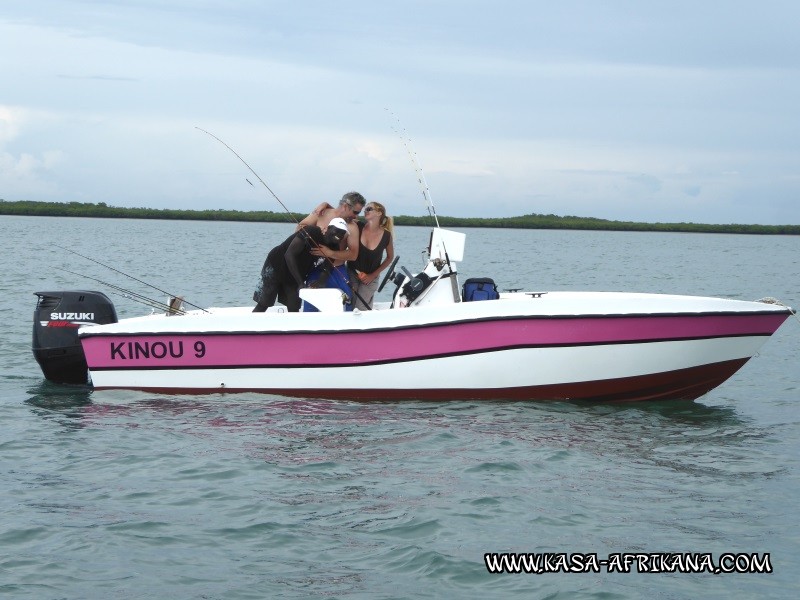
pixel 11 120
pixel 652 112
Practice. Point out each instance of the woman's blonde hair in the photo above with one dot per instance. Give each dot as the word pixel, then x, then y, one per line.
pixel 387 222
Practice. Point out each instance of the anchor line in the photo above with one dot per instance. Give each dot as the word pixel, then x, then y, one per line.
pixel 290 213
pixel 126 275
pixel 131 295
pixel 770 300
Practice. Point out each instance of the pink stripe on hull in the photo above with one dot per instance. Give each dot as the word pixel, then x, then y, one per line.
pixel 369 347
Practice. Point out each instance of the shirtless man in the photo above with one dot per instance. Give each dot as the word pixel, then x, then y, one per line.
pixel 289 263
pixel 349 207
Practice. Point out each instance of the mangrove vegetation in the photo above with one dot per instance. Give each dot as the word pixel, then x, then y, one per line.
pixel 531 221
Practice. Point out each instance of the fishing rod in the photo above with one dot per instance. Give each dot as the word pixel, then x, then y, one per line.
pixel 131 295
pixel 412 154
pixel 290 213
pixel 426 193
pixel 126 275
pixel 249 168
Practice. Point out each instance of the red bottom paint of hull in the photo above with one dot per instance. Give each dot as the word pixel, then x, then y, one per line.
pixel 683 384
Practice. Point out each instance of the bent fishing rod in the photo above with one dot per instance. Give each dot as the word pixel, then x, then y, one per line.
pixel 291 215
pixel 412 154
pixel 249 168
pixel 126 275
pixel 426 192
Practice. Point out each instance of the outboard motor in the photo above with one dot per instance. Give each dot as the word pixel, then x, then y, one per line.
pixel 55 331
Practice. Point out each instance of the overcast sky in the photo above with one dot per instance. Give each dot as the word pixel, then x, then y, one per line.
pixel 645 111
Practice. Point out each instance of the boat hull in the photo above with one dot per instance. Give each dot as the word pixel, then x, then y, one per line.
pixel 681 384
pixel 593 346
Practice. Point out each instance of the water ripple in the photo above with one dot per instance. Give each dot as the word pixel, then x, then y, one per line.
pixel 246 496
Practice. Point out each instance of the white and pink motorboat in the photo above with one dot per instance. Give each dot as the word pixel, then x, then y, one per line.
pixel 432 341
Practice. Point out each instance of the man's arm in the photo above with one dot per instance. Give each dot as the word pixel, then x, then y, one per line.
pixel 349 253
pixel 313 216
pixel 309 220
pixel 293 252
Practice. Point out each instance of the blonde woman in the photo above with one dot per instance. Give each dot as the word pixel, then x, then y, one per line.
pixel 375 239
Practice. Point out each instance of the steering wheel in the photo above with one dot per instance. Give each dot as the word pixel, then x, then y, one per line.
pixel 389 273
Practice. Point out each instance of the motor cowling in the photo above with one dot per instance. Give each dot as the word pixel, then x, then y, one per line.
pixel 56 320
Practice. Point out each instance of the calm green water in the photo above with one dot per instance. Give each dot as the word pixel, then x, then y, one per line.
pixel 131 495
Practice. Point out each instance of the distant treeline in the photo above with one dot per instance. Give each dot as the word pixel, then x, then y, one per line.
pixel 532 221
